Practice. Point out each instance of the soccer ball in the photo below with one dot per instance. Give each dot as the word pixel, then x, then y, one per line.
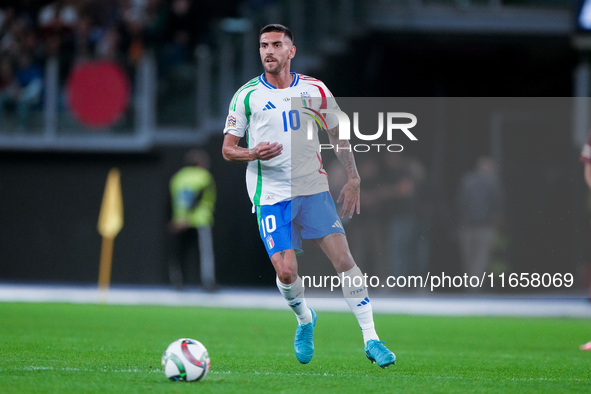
pixel 185 359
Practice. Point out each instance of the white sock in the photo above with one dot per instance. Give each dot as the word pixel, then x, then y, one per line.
pixel 294 295
pixel 355 292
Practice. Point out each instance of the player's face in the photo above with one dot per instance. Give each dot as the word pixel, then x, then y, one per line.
pixel 276 51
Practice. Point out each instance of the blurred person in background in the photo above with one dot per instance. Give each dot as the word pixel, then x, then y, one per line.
pixel 57 22
pixel 105 13
pixel 193 195
pixel 8 89
pixel 479 204
pixel 133 29
pixel 107 46
pixel 20 88
pixel 181 31
pixel 30 81
pixel 59 15
pixel 585 158
pixel 407 209
pixel 12 34
pixel 27 10
pixel 32 45
pixel 83 39
pixel 6 18
pixel 366 234
pixel 102 34
pixel 177 30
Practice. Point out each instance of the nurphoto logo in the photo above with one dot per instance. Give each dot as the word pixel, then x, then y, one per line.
pixel 392 124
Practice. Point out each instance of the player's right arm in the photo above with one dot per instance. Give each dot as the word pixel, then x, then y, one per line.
pixel 262 151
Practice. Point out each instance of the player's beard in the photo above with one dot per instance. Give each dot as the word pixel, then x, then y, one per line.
pixel 274 68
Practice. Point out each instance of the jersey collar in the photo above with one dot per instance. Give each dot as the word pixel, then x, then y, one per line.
pixel 296 79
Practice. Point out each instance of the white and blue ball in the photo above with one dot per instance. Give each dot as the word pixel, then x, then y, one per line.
pixel 186 360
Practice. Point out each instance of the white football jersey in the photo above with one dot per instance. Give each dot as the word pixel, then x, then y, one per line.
pixel 263 113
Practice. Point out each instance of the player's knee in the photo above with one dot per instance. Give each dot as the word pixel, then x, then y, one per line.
pixel 343 261
pixel 286 275
pixel 284 268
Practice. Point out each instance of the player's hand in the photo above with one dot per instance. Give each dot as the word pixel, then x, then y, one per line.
pixel 350 195
pixel 267 150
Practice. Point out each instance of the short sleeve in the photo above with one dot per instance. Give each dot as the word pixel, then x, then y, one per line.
pixel 331 103
pixel 236 122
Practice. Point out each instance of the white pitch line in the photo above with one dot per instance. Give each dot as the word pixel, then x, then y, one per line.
pixel 325 374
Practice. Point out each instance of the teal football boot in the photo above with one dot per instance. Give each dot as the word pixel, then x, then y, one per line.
pixel 378 353
pixel 304 340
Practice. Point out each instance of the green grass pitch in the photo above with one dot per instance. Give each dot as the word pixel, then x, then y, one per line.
pixel 69 348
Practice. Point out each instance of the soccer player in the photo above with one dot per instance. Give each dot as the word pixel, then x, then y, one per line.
pixel 289 188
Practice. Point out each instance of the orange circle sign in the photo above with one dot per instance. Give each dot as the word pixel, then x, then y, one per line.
pixel 98 93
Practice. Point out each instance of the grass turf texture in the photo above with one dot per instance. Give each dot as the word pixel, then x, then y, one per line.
pixel 67 348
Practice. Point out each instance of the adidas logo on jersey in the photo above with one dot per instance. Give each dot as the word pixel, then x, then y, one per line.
pixel 269 106
pixel 337 224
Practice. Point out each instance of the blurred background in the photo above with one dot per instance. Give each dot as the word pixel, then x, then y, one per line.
pixel 181 62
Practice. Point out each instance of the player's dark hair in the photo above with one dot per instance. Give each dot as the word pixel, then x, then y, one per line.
pixel 278 28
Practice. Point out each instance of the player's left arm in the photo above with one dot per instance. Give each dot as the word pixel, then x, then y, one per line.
pixel 350 194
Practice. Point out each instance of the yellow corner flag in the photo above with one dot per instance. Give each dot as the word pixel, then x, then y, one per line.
pixel 109 224
pixel 111 216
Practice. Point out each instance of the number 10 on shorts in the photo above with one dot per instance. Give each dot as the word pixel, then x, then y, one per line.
pixel 268 224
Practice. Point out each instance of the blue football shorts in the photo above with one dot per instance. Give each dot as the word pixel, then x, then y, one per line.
pixel 283 225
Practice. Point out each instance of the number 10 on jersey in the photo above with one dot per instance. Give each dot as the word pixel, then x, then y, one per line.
pixel 293 118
